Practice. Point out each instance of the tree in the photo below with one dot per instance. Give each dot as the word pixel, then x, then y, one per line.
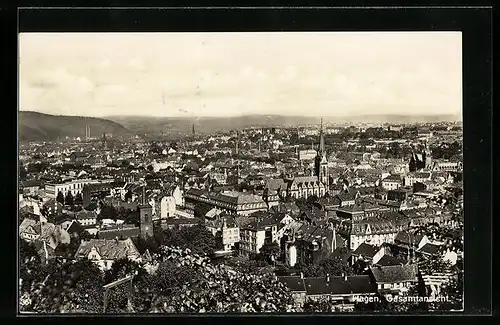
pixel 60 197
pixel 128 196
pixel 150 168
pixel 270 251
pixel 108 212
pixel 69 199
pixel 78 198
pixel 22 172
pixel 333 266
pixel 197 238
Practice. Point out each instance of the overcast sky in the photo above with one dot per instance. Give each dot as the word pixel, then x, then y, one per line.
pixel 214 74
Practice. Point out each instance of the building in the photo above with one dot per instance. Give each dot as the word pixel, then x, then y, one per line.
pixel 342 291
pixel 414 177
pixel 305 186
pixel 422 160
pixel 167 207
pixel 395 279
pixel 400 194
pixel 95 192
pixel 227 228
pixel 254 234
pixel 78 157
pixel 103 252
pixel 73 186
pixel 392 182
pixel 146 217
pixel 232 202
pixel 307 155
pixel 309 244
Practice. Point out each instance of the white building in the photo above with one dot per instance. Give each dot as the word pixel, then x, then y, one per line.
pixel 74 186
pixel 167 207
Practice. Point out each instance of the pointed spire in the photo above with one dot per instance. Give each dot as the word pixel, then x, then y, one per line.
pixel 321 148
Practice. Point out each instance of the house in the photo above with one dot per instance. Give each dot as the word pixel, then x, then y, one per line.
pixel 305 186
pixel 167 207
pixel 421 177
pixel 95 192
pixel 343 292
pixel 429 250
pixel 365 253
pixel 232 202
pixel 104 252
pixel 29 229
pixel 120 231
pixel 228 229
pixel 46 236
pixel 394 279
pixel 347 198
pixel 180 223
pixel 308 244
pixel 78 157
pixel 400 194
pixel 407 240
pixel 254 234
pixel 392 182
pixel 86 218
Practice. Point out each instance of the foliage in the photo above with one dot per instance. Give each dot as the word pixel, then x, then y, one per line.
pixel 270 251
pixel 65 287
pixel 197 238
pixel 68 200
pixel 333 266
pixel 78 198
pixel 128 196
pixel 60 197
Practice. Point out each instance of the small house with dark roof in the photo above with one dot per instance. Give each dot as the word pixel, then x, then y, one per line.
pixel 364 252
pixel 394 279
pixel 407 240
pixel 120 231
pixel 342 291
pixel 104 252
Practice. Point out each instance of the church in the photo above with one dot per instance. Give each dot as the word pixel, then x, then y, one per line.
pixel 420 161
pixel 318 182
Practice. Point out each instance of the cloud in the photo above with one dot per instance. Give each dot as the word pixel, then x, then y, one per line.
pixel 297 73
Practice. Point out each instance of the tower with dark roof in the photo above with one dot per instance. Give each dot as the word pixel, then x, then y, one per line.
pixel 146 217
pixel 321 162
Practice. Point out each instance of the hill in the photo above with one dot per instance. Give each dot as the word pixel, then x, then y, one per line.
pixel 183 125
pixel 35 126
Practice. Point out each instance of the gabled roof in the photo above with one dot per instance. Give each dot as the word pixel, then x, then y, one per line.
pixel 357 284
pixel 406 238
pixel 121 231
pixel 366 250
pixel 108 249
pixel 389 260
pixel 395 273
pixel 430 249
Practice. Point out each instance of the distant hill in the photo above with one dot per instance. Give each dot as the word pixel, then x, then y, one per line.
pixel 172 125
pixel 35 126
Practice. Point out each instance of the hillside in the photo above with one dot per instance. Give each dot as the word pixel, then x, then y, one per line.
pixel 35 126
pixel 183 125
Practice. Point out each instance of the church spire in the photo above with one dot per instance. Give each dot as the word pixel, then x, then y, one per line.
pixel 321 149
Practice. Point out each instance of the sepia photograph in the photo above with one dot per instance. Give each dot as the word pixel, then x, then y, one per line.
pixel 240 172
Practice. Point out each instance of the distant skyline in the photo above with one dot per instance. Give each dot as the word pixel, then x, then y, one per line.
pixel 228 74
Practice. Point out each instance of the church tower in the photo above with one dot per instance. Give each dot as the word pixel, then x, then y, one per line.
pixel 146 217
pixel 427 156
pixel 321 162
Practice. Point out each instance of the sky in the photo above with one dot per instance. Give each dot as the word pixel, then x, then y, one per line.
pixel 221 74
